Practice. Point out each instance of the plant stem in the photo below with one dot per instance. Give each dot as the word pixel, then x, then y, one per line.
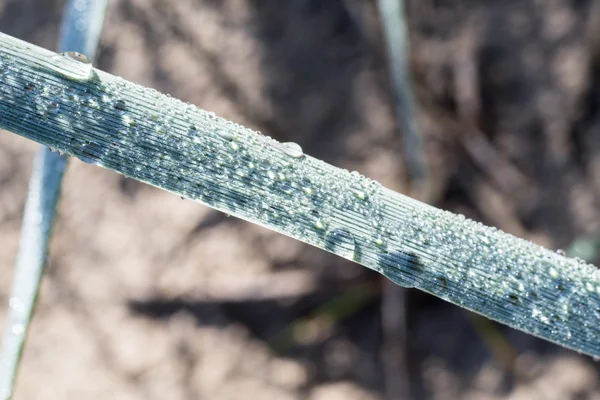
pixel 82 22
pixel 395 32
pixel 162 141
pixel 394 314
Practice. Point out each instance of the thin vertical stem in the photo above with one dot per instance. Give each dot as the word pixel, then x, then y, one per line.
pixel 395 32
pixel 396 38
pixel 80 31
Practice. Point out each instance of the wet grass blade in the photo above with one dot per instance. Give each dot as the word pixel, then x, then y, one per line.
pixel 140 133
pixel 80 32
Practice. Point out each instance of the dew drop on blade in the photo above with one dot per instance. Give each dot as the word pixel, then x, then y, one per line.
pixel 120 106
pixel 53 107
pixel 402 267
pixel 15 303
pixel 91 153
pixel 341 242
pixel 73 65
pixel 77 57
pixel 440 282
pixel 292 149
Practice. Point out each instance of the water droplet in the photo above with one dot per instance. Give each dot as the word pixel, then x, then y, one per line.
pixel 292 149
pixel 6 89
pixel 127 120
pixel 319 224
pixel 483 237
pixel 590 287
pixel 53 107
pixel 31 88
pixel 360 194
pixel 77 57
pixel 227 135
pixel 341 242
pixel 120 106
pixel 234 146
pixel 440 281
pixel 402 267
pixel 15 303
pixel 513 299
pixel 17 329
pixel 91 153
pixel 531 295
pixel 72 64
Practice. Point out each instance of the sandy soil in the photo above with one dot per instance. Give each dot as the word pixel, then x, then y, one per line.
pixel 147 296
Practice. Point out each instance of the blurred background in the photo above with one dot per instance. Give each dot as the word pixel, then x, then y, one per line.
pixel 147 296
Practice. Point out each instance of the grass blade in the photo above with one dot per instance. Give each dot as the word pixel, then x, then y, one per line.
pixel 80 32
pixel 162 141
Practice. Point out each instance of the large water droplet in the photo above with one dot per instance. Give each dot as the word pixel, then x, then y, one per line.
pixel 341 242
pixel 292 149
pixel 225 134
pixel 73 65
pixel 402 267
pixel 77 57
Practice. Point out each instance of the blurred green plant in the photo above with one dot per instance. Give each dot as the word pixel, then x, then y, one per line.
pixel 318 325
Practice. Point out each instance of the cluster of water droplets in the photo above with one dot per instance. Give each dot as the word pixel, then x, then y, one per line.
pixel 194 153
pixel 504 277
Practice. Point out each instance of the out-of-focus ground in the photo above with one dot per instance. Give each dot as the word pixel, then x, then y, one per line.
pixel 147 296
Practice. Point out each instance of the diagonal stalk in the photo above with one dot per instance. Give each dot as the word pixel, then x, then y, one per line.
pixel 138 132
pixel 80 31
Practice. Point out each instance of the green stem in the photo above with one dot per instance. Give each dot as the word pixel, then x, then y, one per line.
pixel 159 140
